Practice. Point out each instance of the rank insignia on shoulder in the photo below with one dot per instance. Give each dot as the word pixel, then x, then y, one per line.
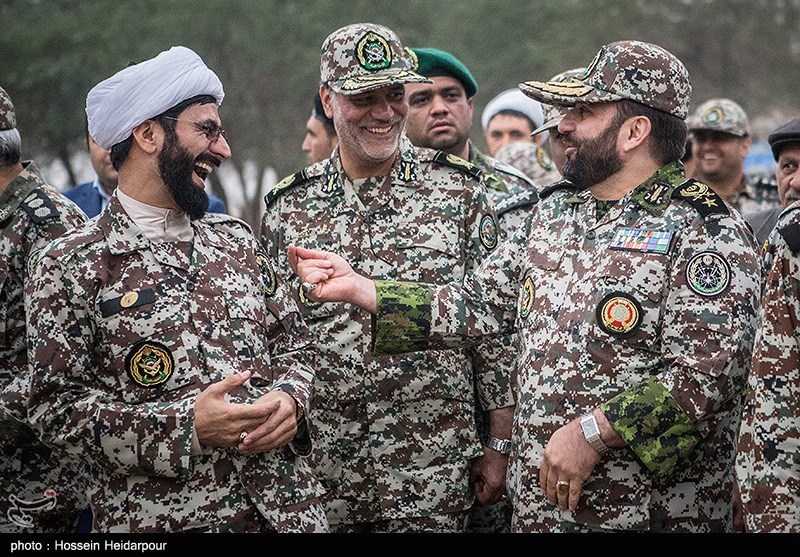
pixel 149 363
pixel 285 184
pixel 305 300
pixel 457 162
pixel 39 207
pixel 619 314
pixel 131 299
pixel 488 232
pixel 701 197
pixel 526 298
pixel 708 274
pixel 267 274
pixel 639 239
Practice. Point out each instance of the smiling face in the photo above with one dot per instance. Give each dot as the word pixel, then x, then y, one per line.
pixel 719 156
pixel 369 126
pixel 787 173
pixel 190 153
pixel 439 115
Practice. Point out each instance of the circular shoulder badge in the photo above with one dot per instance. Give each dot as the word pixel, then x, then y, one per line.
pixel 305 300
pixel 149 363
pixel 708 273
pixel 619 314
pixel 267 274
pixel 526 298
pixel 488 232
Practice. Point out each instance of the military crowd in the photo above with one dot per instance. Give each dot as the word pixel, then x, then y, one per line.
pixel 590 327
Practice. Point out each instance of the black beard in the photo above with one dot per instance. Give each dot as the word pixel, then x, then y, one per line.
pixel 595 161
pixel 176 167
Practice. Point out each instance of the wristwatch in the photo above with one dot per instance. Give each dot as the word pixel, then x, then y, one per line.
pixel 502 446
pixel 592 433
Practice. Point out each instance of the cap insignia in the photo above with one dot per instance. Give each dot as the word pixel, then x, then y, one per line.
pixel 373 52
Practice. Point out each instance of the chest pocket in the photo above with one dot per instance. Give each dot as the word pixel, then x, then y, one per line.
pixel 626 309
pixel 428 252
pixel 145 342
pixel 252 327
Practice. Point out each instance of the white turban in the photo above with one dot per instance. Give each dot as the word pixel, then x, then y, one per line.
pixel 513 99
pixel 137 93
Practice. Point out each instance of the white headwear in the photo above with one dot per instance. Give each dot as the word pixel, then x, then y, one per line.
pixel 513 99
pixel 137 93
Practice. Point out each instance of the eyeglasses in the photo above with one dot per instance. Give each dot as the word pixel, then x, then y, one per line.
pixel 211 130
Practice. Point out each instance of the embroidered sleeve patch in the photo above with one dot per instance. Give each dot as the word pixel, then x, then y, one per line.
pixel 708 274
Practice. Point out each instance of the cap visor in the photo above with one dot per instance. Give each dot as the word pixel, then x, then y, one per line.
pixel 361 84
pixel 549 125
pixel 565 93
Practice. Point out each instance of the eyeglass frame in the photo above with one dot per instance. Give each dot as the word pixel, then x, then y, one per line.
pixel 218 131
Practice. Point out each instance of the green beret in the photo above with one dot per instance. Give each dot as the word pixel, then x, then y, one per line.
pixel 432 62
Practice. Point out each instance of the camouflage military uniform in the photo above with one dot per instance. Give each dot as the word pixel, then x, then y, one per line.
pixel 40 490
pixel 758 193
pixel 767 464
pixel 125 333
pixel 395 434
pixel 512 193
pixel 647 312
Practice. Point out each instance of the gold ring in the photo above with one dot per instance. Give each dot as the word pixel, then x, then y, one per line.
pixel 563 487
pixel 242 435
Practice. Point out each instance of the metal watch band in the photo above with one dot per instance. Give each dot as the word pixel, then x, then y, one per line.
pixel 592 433
pixel 502 446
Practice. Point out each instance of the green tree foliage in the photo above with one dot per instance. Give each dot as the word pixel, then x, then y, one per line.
pixel 266 52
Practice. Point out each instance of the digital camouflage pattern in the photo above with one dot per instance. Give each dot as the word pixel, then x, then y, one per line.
pixel 648 312
pixel 395 434
pixel 767 465
pixel 125 333
pixel 653 77
pixel 8 118
pixel 757 194
pixel 553 113
pixel 530 159
pixel 721 115
pixel 364 56
pixel 41 490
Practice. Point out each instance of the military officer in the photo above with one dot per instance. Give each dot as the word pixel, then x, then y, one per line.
pixel 165 351
pixel 634 293
pixel 397 434
pixel 41 489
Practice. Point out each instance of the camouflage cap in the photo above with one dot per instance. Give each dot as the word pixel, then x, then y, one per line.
pixel 8 120
pixel 552 113
pixel 722 115
pixel 634 70
pixel 364 56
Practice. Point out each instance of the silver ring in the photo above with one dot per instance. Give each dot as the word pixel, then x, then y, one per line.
pixel 308 288
pixel 242 435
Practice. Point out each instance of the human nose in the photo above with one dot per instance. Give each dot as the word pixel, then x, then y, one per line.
pixel 221 148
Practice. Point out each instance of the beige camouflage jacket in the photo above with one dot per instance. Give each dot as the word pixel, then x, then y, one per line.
pixel 395 434
pixel 41 491
pixel 648 311
pixel 125 333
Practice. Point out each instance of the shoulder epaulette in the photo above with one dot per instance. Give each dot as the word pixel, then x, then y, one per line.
pixel 286 184
pixel 39 207
pixel 217 219
pixel 561 184
pixel 701 197
pixel 457 162
pixel 523 198
pixel 791 235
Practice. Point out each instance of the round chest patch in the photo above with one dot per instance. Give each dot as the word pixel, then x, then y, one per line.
pixel 149 363
pixel 619 314
pixel 708 274
pixel 267 274
pixel 305 300
pixel 488 232
pixel 526 298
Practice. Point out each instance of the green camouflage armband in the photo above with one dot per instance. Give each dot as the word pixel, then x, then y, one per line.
pixel 403 320
pixel 653 425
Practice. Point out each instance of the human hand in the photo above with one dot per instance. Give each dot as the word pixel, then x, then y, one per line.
pixel 487 475
pixel 279 428
pixel 327 277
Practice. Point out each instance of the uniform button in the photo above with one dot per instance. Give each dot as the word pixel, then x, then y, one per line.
pixel 591 235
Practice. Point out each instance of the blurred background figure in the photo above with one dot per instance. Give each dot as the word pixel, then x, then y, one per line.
pixel 320 136
pixel 785 144
pixel 509 117
pixel 92 197
pixel 720 133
